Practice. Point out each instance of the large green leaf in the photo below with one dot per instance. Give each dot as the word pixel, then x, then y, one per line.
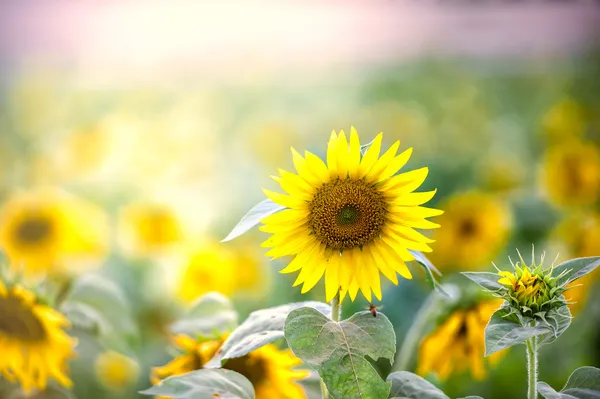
pixel 252 218
pixel 504 331
pixel 204 384
pixel 583 383
pixel 558 319
pixel 487 280
pixel 430 269
pixel 211 314
pixel 260 328
pixel 407 385
pixel 339 350
pixel 575 268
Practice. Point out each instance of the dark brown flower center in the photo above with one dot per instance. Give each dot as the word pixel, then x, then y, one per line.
pixel 346 214
pixel 253 368
pixel 18 321
pixel 467 228
pixel 33 230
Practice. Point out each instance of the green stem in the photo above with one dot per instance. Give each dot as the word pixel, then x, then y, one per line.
pixel 336 312
pixel 532 368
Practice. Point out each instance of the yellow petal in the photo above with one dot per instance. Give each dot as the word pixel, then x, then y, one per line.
pixel 317 167
pixel 286 200
pixel 404 182
pixel 395 165
pixel 354 157
pixel 342 156
pixel 370 157
pixel 409 233
pixel 414 223
pixel 315 276
pixel 297 181
pixel 286 216
pixel 382 163
pixel 414 212
pixel 412 199
pixel 332 284
pixel 298 262
pixel 381 265
pixel 332 155
pixel 353 289
pixel 393 258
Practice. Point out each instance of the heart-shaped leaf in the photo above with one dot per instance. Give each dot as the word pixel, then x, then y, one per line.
pixel 252 218
pixel 407 385
pixel 339 350
pixel 260 328
pixel 583 383
pixel 204 384
pixel 504 331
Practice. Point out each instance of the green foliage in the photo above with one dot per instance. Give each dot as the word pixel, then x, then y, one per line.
pixel 583 383
pixel 261 210
pixel 430 269
pixel 573 269
pixel 487 280
pixel 407 385
pixel 210 315
pixel 260 328
pixel 204 384
pixel 339 350
pixel 98 306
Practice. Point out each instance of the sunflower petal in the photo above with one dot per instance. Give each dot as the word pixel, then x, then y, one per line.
pixel 382 163
pixel 332 155
pixel 370 158
pixel 395 165
pixel 354 156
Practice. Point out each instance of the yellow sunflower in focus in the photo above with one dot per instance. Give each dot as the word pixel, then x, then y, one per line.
pixel 564 121
pixel 42 230
pixel 458 344
pixel 349 219
pixel 571 174
pixel 149 228
pixel 35 347
pixel 476 227
pixel 270 370
pixel 116 371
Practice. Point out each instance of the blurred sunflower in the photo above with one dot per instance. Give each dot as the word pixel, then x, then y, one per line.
pixel 270 370
pixel 571 174
pixel 213 267
pixel 35 347
pixel 579 236
pixel 476 227
pixel 149 229
pixel 116 371
pixel 458 343
pixel 44 230
pixel 564 121
pixel 350 219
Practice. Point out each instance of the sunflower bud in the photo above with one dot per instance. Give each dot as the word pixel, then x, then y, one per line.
pixel 532 289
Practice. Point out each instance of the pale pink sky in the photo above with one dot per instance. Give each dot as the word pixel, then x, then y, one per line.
pixel 222 38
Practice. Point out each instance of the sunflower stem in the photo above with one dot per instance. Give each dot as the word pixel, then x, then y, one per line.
pixel 532 368
pixel 336 312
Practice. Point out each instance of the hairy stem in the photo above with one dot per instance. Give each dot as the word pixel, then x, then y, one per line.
pixel 336 311
pixel 532 367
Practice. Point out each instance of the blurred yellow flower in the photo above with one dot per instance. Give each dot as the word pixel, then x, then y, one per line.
pixel 116 371
pixel 571 174
pixel 350 219
pixel 48 230
pixel 149 228
pixel 564 121
pixel 35 347
pixel 216 267
pixel 269 369
pixel 502 173
pixel 458 343
pixel 476 227
pixel 579 236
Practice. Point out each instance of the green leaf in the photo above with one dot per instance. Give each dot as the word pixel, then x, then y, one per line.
pixel 429 270
pixel 487 280
pixel 260 328
pixel 583 383
pixel 558 320
pixel 411 386
pixel 211 314
pixel 252 218
pixel 575 268
pixel 504 331
pixel 339 350
pixel 204 384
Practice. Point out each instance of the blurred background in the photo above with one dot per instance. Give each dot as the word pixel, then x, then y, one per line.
pixel 134 135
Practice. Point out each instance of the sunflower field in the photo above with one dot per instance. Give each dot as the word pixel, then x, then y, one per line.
pixel 300 201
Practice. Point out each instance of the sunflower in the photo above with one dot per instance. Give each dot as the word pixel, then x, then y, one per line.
pixel 116 371
pixel 35 348
pixel 476 227
pixel 571 174
pixel 268 368
pixel 349 219
pixel 41 230
pixel 149 228
pixel 564 121
pixel 458 343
